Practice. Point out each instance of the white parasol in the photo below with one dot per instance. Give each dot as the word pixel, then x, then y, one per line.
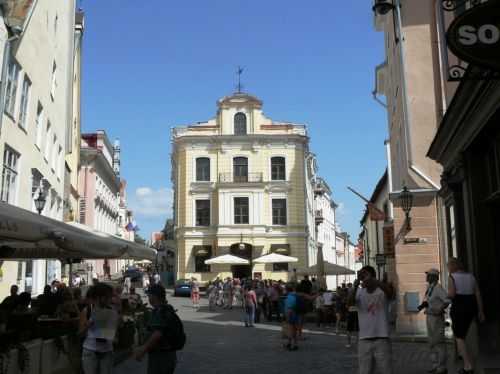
pixel 227 260
pixel 275 258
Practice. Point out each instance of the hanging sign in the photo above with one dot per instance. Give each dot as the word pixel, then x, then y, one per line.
pixel 474 36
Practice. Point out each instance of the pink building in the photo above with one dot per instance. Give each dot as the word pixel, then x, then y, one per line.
pixel 99 189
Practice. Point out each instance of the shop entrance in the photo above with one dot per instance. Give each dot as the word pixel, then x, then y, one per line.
pixel 245 251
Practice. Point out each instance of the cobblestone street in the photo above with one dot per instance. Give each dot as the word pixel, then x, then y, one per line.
pixel 218 343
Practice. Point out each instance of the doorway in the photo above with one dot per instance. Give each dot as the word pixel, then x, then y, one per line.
pixel 242 271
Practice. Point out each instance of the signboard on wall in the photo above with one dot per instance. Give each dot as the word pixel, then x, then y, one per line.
pixel 389 245
pixel 474 36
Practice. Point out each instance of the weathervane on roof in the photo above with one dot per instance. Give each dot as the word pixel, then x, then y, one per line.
pixel 239 86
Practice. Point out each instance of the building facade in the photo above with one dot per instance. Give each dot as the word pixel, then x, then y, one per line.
pixel 38 41
pixel 240 187
pixel 326 227
pixel 467 145
pixel 407 78
pixel 99 190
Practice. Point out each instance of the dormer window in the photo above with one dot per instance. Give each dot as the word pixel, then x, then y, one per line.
pixel 240 124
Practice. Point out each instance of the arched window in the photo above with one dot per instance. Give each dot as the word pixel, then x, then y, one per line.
pixel 278 169
pixel 240 169
pixel 203 169
pixel 240 124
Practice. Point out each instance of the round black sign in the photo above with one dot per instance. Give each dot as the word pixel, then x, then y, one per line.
pixel 474 36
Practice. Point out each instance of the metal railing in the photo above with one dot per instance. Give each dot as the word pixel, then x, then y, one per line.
pixel 250 178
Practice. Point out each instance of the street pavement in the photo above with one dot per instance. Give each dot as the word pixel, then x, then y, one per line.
pixel 219 343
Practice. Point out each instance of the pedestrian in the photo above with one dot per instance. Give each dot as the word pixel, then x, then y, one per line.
pixel 352 318
pixel 10 302
pixel 466 305
pixel 127 282
pixel 97 356
pixel 212 292
pixel 250 304
pixel 195 293
pixel 435 303
pixel 315 286
pixel 167 335
pixel 291 317
pixel 156 278
pixel 374 346
pixel 306 285
pixel 339 309
pixel 228 294
pixel 319 308
pixel 134 300
pixel 260 292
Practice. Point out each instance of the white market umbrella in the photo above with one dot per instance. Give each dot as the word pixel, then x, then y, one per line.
pixel 275 258
pixel 227 260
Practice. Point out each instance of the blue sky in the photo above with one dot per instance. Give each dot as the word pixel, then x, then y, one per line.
pixel 154 64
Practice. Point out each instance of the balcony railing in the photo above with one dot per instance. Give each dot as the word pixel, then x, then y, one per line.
pixel 318 216
pixel 250 178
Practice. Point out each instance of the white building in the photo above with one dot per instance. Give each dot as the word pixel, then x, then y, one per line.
pixel 325 209
pixel 35 106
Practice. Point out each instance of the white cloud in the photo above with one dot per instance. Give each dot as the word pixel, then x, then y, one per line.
pixel 150 203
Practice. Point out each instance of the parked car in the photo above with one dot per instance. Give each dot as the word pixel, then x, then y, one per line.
pixel 182 287
pixel 134 273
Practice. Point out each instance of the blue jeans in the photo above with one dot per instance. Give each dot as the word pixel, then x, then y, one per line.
pixel 97 362
pixel 249 314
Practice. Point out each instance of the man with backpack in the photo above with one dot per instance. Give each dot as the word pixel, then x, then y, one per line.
pixel 167 334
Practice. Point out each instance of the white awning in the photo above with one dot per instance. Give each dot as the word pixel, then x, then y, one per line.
pixel 275 258
pixel 24 234
pixel 227 260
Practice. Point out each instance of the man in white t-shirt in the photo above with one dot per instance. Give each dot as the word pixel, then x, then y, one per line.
pixel 374 347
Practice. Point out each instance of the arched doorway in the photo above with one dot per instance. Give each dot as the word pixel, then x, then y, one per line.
pixel 242 271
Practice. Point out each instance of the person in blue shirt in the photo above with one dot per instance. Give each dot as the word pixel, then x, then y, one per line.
pixel 292 318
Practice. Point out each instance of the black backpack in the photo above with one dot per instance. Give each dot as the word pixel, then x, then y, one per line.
pixel 175 337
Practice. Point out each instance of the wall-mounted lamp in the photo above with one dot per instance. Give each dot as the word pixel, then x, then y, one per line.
pixel 406 199
pixel 383 7
pixel 40 201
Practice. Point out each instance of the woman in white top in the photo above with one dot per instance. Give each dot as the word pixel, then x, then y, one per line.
pixel 466 306
pixel 97 356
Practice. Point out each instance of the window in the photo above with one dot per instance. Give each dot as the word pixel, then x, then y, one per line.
pixel 279 211
pixel 9 175
pixel 201 254
pixel 240 124
pixel 202 212
pixel 240 169
pixel 25 93
pixel 47 142
pixel 54 81
pixel 241 210
pixel 278 169
pixel 39 125
pixel 11 89
pixel 203 169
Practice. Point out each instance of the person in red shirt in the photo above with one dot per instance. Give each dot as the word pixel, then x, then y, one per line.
pixel 250 302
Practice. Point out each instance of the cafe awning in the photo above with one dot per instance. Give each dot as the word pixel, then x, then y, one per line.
pixel 24 234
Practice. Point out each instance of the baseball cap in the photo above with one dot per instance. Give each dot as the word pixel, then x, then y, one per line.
pixel 157 290
pixel 432 271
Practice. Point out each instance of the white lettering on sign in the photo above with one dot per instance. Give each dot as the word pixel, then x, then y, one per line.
pixel 486 34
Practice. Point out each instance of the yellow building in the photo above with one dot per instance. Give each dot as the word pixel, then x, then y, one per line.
pixel 241 185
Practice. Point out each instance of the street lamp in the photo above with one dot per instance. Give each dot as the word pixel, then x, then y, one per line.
pixel 383 7
pixel 40 201
pixel 242 245
pixel 406 199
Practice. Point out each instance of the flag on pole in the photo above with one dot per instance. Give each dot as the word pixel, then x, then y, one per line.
pixel 375 213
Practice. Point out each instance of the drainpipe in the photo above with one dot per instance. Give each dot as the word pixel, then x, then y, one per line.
pixel 5 69
pixel 406 114
pixel 387 144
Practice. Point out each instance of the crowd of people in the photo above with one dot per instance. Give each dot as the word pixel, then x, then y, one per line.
pixel 271 300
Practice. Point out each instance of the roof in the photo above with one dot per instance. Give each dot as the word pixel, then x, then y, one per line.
pixel 239 98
